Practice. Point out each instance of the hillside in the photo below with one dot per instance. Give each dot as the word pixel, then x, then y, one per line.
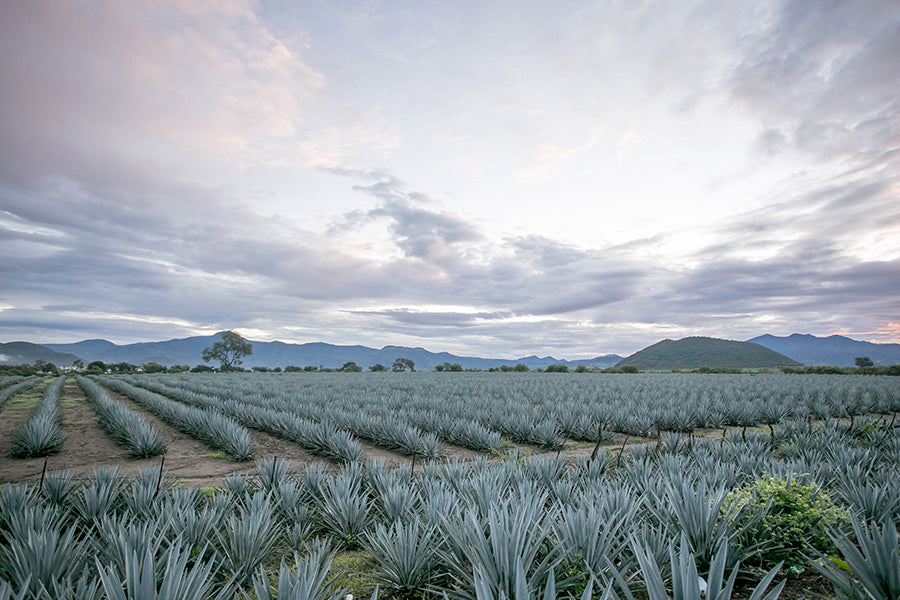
pixel 832 350
pixel 692 352
pixel 187 351
pixel 20 353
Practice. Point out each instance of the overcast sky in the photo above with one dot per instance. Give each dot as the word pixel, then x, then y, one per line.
pixel 488 178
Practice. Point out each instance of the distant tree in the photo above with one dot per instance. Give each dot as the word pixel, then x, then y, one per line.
pixel 78 364
pixel 581 369
pixel 202 369
pixel 48 368
pixel 520 368
pixel 178 369
pixel 863 361
pixel 402 364
pixel 453 367
pixel 260 369
pixel 351 367
pixel 377 368
pixel 153 367
pixel 123 368
pixel 310 369
pixel 293 369
pixel 276 370
pixel 629 369
pixel 229 351
pixel 556 369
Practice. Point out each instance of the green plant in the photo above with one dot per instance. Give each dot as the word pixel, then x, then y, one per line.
pixel 796 518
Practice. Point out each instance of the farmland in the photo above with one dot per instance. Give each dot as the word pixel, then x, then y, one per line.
pixel 481 485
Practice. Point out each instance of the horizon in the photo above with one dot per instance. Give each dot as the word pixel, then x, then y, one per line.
pixel 487 178
pixel 568 358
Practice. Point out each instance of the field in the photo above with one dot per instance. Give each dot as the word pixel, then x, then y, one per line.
pixel 478 485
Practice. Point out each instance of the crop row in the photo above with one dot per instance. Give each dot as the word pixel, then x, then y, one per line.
pixel 324 439
pixel 646 524
pixel 474 410
pixel 21 385
pixel 128 428
pixel 41 435
pixel 218 430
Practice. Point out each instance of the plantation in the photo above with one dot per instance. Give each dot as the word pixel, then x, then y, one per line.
pixel 747 486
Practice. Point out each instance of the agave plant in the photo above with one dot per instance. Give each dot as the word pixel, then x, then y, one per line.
pixel 39 559
pixel 872 563
pixel 141 581
pixel 247 540
pixel 492 550
pixel 404 555
pixel 308 580
pixel 344 511
pixel 686 583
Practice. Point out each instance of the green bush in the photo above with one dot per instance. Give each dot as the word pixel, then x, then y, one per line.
pixel 781 520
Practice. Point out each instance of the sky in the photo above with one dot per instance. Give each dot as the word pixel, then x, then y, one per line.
pixel 489 178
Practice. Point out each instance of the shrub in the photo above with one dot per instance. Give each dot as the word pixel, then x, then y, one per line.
pixel 781 519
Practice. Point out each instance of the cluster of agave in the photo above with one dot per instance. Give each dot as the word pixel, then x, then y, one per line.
pixel 653 523
pixel 128 428
pixel 211 426
pixel 41 435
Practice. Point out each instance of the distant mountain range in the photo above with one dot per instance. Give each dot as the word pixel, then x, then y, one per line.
pixel 832 350
pixel 667 354
pixel 26 353
pixel 693 352
pixel 187 351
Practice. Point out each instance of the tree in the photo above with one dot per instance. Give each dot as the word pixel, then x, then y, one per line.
pixel 402 364
pixel 351 367
pixel 378 367
pixel 863 361
pixel 229 351
pixel 454 367
pixel 202 369
pixel 153 367
pixel 78 364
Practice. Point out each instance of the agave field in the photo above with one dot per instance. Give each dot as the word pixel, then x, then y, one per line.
pixel 734 486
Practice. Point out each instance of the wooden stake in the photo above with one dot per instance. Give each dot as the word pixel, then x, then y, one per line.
pixel 599 441
pixel 43 474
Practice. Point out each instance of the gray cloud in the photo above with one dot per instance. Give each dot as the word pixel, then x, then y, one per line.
pixel 105 232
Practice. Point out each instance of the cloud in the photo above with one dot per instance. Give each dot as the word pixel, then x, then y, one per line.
pixel 118 91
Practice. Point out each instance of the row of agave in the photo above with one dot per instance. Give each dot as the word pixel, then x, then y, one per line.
pixel 475 410
pixel 366 425
pixel 128 428
pixel 661 522
pixel 323 439
pixel 41 435
pixel 17 385
pixel 211 426
pixel 255 411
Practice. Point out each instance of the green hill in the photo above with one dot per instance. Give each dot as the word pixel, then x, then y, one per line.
pixel 692 352
pixel 25 353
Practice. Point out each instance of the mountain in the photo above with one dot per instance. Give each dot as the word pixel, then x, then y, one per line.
pixel 692 352
pixel 187 351
pixel 20 353
pixel 832 350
